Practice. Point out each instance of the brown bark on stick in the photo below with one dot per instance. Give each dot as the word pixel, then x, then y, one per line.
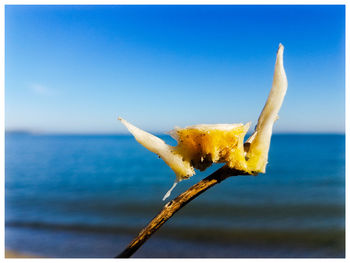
pixel 176 204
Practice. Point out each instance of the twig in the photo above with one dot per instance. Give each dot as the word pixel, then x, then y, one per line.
pixel 176 204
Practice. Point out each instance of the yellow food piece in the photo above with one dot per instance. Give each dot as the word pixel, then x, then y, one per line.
pixel 202 145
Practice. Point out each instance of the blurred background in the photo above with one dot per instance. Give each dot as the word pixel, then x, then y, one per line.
pixel 77 185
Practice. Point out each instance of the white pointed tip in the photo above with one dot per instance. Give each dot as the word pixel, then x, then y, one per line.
pixel 166 196
pixel 280 50
pixel 127 125
pixel 170 190
pixel 120 119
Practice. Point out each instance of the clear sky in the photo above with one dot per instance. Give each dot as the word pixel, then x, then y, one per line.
pixel 74 69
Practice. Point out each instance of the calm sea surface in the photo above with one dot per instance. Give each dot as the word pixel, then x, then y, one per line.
pixel 88 196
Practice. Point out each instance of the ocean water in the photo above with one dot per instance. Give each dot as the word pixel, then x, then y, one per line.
pixel 89 196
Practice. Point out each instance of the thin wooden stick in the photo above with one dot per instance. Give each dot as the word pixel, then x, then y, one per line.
pixel 175 205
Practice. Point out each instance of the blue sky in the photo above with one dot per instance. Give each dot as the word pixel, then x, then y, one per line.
pixel 74 69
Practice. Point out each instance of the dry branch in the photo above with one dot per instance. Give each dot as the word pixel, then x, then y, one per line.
pixel 176 204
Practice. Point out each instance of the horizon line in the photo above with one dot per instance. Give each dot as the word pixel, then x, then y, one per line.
pixel 158 133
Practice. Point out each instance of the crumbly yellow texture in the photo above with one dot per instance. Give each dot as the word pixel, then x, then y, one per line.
pixel 202 147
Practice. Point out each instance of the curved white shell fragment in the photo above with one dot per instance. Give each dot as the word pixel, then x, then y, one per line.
pixel 182 169
pixel 259 142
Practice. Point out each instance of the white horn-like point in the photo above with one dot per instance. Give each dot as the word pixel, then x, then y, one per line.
pixel 257 154
pixel 182 169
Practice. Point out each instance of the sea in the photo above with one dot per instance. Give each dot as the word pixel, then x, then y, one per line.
pixel 88 196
